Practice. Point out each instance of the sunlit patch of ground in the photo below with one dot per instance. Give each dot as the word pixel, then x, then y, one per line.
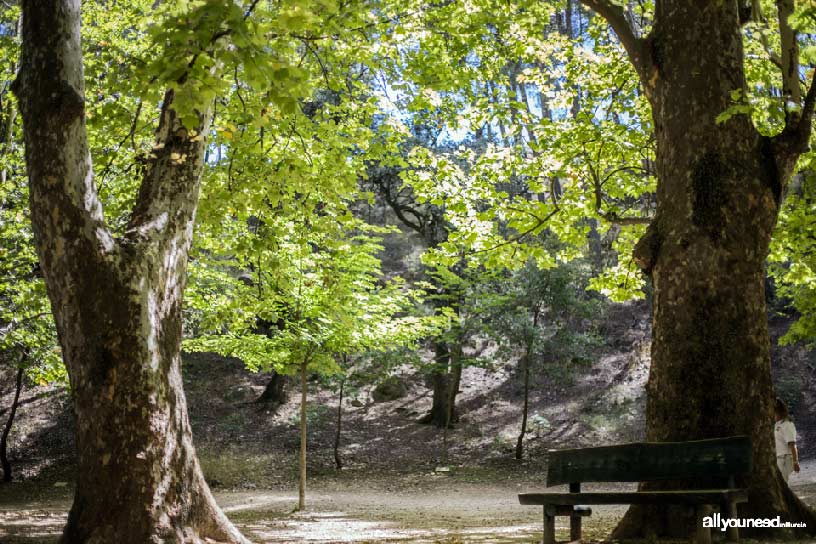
pixel 327 527
pixel 31 526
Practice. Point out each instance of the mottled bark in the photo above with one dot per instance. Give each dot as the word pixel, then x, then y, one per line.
pixel 719 188
pixel 4 461
pixel 116 302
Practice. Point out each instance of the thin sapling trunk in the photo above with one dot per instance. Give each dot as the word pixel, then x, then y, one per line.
pixel 302 466
pixel 338 462
pixel 18 387
pixel 526 370
pixel 523 430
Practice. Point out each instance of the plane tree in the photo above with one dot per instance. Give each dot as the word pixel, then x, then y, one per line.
pixel 693 118
pixel 116 281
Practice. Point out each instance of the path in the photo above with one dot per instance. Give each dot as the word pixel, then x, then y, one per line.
pixel 444 511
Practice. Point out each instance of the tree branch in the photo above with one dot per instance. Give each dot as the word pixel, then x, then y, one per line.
pixel 168 195
pixel 637 48
pixel 51 92
pixel 758 17
pixel 794 138
pixel 519 236
pixel 790 55
pixel 385 185
pixel 807 108
pixel 612 217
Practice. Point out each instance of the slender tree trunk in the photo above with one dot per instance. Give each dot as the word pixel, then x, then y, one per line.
pixel 18 387
pixel 338 462
pixel 526 360
pixel 304 388
pixel 524 411
pixel 116 301
pixel 718 194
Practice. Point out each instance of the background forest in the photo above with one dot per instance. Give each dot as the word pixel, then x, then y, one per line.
pixel 414 260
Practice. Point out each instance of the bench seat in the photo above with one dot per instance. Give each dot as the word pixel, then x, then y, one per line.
pixel 718 462
pixel 703 496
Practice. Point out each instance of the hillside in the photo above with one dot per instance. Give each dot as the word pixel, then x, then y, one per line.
pixel 243 444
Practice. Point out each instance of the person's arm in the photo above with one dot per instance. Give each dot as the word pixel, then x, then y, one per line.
pixel 795 454
pixel 790 432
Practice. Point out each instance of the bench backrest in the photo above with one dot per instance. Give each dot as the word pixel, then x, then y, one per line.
pixel 647 461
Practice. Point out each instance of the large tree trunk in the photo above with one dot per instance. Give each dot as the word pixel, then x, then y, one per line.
pixel 718 194
pixel 4 461
pixel 116 302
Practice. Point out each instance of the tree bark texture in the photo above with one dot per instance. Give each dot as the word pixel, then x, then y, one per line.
pixel 116 302
pixel 4 461
pixel 719 188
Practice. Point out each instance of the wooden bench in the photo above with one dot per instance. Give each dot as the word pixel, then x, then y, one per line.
pixel 718 460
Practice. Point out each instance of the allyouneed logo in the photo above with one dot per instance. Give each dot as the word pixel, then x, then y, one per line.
pixel 717 521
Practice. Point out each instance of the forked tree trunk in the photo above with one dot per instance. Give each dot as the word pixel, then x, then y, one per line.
pixel 4 461
pixel 719 188
pixel 116 302
pixel 445 380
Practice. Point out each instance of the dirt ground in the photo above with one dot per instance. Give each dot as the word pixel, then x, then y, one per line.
pixel 446 508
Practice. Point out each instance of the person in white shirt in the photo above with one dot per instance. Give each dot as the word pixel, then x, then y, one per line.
pixel 787 456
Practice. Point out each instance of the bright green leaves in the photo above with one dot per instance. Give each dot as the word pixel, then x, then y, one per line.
pixel 28 337
pixel 544 315
pixel 310 295
pixel 793 255
pixel 551 131
pixel 622 281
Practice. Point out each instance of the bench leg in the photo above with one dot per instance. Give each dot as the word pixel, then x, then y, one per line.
pixel 703 533
pixel 549 525
pixel 729 510
pixel 575 527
